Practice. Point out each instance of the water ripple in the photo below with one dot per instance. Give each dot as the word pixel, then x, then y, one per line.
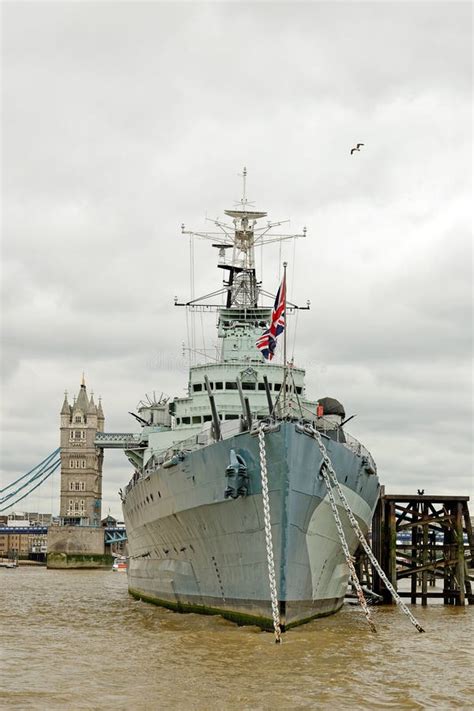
pixel 76 640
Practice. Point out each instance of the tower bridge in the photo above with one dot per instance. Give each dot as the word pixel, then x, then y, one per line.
pixel 78 536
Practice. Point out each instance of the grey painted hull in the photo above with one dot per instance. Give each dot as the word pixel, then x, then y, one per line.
pixel 192 549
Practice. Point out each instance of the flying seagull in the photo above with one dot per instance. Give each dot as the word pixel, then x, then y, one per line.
pixel 357 148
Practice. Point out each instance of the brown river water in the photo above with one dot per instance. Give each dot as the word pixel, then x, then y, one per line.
pixel 76 640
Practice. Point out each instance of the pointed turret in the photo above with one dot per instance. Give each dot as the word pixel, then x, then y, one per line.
pixel 92 412
pixel 66 409
pixel 100 416
pixel 92 409
pixel 82 402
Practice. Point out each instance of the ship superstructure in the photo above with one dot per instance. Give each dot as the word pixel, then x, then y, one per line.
pixel 193 508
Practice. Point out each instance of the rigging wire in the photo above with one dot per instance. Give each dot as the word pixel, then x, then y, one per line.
pixel 191 275
pixel 186 309
pixel 293 299
pixel 203 336
pixel 294 335
pixel 293 269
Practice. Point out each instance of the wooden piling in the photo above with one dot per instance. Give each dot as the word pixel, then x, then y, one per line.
pixel 424 539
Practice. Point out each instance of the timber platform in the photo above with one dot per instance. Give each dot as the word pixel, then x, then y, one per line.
pixel 426 540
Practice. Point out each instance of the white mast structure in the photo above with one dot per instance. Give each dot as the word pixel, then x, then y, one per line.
pixel 242 236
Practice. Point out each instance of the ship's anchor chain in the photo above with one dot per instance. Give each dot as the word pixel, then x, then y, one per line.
pixel 268 535
pixel 345 548
pixel 331 480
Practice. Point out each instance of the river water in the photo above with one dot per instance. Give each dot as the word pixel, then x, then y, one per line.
pixel 76 640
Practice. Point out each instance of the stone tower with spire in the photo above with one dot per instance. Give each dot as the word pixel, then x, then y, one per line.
pixel 81 460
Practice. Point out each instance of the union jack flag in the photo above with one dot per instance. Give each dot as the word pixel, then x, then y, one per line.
pixel 267 343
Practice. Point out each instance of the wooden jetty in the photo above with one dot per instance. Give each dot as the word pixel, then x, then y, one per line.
pixel 426 539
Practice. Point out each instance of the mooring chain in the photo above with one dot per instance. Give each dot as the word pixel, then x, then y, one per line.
pixel 268 535
pixel 334 482
pixel 345 548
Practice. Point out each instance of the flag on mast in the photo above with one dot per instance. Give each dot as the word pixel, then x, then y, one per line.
pixel 267 342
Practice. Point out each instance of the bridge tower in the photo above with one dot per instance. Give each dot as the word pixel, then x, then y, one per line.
pixel 81 460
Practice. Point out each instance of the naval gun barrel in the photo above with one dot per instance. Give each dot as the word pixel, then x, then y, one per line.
pixel 215 416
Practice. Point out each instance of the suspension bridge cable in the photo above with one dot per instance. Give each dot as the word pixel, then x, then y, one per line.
pixel 31 480
pixel 23 476
pixel 13 503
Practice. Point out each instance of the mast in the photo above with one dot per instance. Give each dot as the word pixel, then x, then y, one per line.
pixel 242 236
pixel 242 317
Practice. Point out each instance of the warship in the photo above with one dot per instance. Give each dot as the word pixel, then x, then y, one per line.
pixel 194 508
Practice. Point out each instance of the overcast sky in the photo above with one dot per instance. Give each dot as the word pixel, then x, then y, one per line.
pixel 122 120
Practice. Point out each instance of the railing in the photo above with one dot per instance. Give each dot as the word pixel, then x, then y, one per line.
pixel 192 443
pixel 325 425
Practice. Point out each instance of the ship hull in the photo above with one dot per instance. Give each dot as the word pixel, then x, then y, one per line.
pixel 192 549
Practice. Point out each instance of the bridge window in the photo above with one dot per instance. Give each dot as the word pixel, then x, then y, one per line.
pixel 248 386
pixel 299 389
pixel 197 387
pixel 219 386
pixel 231 386
pixel 277 386
pixel 186 420
pixel 231 417
pixel 207 418
pixel 196 419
